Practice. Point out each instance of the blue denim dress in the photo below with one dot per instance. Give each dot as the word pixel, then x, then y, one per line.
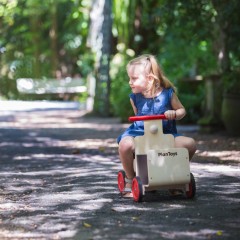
pixel 151 106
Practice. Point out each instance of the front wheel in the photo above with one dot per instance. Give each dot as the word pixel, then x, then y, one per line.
pixel 192 187
pixel 121 181
pixel 137 189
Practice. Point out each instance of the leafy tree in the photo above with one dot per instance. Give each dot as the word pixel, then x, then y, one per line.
pixel 184 35
pixel 43 39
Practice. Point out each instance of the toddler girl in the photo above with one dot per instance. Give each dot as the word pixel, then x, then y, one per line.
pixel 152 94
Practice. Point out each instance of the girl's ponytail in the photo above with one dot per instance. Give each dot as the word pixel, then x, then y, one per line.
pixel 159 74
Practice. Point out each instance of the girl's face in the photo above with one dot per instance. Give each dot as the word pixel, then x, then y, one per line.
pixel 138 80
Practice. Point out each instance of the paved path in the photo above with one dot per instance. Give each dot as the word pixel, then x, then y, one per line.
pixel 58 181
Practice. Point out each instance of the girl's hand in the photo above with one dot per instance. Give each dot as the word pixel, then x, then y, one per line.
pixel 170 114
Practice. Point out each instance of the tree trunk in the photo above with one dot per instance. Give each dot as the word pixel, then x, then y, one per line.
pixel 100 41
pixel 35 22
pixel 53 38
pixel 223 24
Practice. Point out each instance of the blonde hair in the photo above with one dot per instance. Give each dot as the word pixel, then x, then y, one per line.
pixel 153 69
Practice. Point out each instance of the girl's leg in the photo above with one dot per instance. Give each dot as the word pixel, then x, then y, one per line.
pixel 186 142
pixel 126 149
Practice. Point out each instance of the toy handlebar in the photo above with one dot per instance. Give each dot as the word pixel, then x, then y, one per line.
pixel 149 117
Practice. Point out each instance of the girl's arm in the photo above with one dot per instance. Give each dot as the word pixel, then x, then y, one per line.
pixel 178 111
pixel 133 106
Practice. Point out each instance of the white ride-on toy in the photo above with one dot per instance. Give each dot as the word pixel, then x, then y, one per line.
pixel 158 164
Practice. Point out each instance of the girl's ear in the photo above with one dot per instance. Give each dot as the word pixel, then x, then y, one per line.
pixel 150 78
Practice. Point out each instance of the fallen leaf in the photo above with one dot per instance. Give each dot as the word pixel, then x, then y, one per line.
pixel 101 149
pixel 87 225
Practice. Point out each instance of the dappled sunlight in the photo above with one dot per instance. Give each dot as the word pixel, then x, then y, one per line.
pixel 130 207
pixel 216 142
pixel 213 170
pixel 79 192
pixel 59 179
pixel 42 156
pixel 201 234
pixel 54 192
pixel 217 149
pixel 68 119
pixel 222 155
pixel 8 144
pixel 84 200
pixel 93 204
pixel 108 146
pixel 59 165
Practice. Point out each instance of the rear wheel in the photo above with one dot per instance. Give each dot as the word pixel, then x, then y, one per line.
pixel 137 189
pixel 192 187
pixel 121 180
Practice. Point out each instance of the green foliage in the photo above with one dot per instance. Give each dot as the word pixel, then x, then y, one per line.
pixel 188 39
pixel 8 88
pixel 231 82
pixel 179 59
pixel 192 103
pixel 120 88
pixel 43 39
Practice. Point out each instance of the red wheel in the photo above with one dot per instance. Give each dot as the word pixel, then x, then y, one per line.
pixel 192 188
pixel 137 189
pixel 121 180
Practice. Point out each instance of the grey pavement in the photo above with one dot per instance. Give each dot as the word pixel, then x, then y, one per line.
pixel 58 181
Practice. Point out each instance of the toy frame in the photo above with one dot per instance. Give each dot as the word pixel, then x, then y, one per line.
pixel 158 164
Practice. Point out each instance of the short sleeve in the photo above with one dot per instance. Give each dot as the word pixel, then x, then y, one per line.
pixel 170 93
pixel 133 97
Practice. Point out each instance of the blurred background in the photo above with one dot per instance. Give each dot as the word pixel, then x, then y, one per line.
pixel 77 50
